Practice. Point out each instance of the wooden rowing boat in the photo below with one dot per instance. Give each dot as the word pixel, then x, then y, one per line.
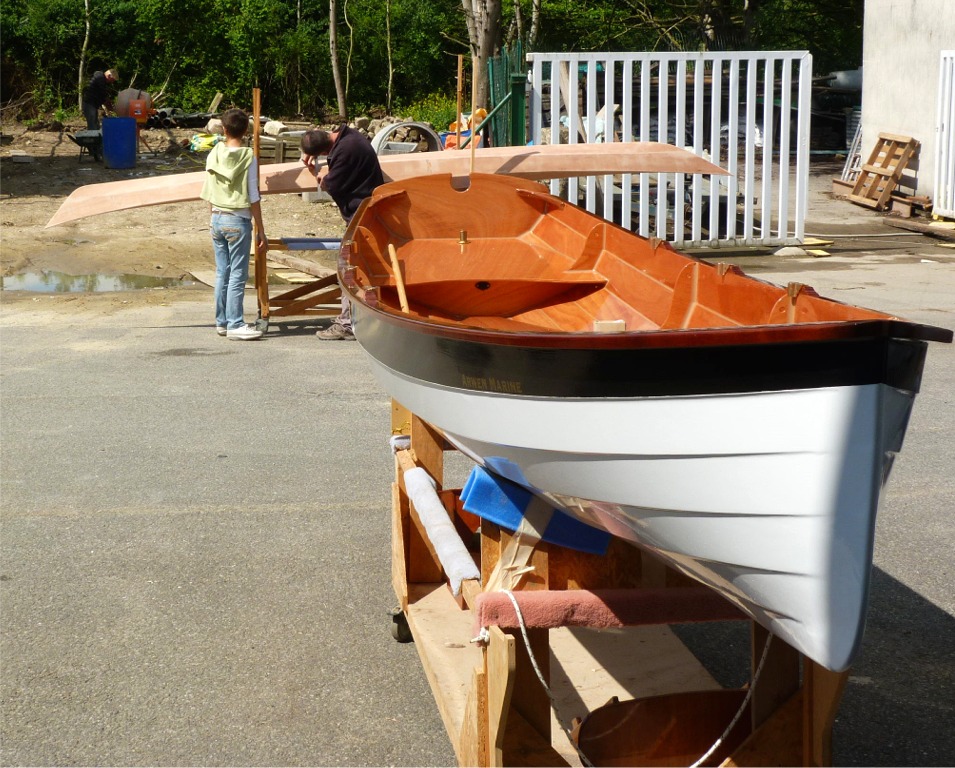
pixel 533 162
pixel 739 430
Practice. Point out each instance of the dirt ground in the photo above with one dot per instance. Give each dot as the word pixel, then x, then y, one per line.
pixel 40 168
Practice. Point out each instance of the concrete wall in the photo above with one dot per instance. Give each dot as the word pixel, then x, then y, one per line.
pixel 900 60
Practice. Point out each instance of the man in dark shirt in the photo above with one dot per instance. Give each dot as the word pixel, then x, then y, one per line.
pixel 351 173
pixel 352 170
pixel 97 94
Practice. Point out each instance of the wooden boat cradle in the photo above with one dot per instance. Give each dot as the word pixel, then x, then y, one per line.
pixel 496 712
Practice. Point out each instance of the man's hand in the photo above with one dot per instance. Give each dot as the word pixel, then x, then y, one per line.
pixel 317 167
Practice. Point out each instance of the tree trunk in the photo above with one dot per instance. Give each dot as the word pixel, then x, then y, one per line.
pixel 298 61
pixel 81 75
pixel 391 63
pixel 351 48
pixel 333 50
pixel 516 29
pixel 535 25
pixel 484 35
pixel 750 11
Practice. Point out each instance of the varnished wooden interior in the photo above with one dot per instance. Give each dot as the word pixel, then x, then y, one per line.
pixel 500 253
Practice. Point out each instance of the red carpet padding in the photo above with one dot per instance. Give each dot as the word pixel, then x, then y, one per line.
pixel 603 608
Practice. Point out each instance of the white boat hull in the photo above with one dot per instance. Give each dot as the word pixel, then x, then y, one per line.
pixel 768 497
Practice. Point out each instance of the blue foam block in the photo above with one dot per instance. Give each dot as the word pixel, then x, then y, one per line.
pixel 493 498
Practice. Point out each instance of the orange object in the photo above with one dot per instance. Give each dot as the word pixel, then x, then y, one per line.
pixel 451 141
pixel 139 109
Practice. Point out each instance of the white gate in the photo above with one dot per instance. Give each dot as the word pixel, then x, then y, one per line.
pixel 747 112
pixel 944 197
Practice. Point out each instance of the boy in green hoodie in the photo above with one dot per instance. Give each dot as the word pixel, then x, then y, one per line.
pixel 232 190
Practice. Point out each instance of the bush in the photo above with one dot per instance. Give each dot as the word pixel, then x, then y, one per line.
pixel 437 109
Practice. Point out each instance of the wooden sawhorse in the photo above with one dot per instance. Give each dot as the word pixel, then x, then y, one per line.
pixel 319 298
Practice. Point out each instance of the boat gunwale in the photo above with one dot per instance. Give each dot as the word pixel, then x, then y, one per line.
pixel 473 362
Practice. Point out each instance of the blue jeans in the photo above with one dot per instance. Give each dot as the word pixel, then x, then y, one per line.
pixel 232 243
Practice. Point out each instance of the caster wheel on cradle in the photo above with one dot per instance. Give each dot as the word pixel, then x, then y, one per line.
pixel 400 630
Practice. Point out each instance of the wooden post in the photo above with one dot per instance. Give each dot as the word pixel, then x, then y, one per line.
pixel 261 274
pixel 500 661
pixel 822 692
pixel 779 679
pixel 457 121
pixel 473 138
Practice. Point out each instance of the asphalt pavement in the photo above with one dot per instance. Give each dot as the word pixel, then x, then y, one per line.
pixel 195 550
pixel 195 542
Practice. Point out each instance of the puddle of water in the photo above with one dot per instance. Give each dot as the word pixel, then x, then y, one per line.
pixel 60 282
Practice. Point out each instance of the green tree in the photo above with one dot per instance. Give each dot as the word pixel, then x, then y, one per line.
pixel 425 42
pixel 194 49
pixel 41 47
pixel 830 29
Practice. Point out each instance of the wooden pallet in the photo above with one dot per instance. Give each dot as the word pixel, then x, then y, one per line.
pixel 284 148
pixel 879 177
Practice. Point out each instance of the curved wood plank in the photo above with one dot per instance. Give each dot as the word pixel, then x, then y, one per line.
pixel 548 161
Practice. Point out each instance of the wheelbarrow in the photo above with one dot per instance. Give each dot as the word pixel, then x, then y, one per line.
pixel 90 141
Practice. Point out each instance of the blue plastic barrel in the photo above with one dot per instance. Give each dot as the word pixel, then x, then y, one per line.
pixel 119 142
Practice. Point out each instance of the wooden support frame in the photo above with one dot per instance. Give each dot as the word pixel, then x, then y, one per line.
pixel 495 710
pixel 320 297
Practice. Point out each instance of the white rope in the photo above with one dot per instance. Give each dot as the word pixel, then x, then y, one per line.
pixel 540 676
pixel 739 712
pixel 553 700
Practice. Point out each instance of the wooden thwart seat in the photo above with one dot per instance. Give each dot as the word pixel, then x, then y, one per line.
pixel 501 297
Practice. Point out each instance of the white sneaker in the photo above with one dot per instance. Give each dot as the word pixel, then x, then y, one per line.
pixel 244 333
pixel 221 330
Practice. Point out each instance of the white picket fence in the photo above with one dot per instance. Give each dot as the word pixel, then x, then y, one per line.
pixel 944 196
pixel 747 112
